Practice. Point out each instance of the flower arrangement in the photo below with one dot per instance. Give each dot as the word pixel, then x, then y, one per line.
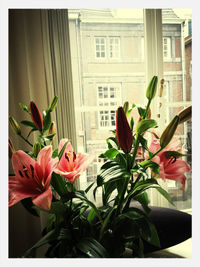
pixel 43 181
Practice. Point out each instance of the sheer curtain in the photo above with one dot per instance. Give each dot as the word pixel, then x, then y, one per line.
pixel 39 68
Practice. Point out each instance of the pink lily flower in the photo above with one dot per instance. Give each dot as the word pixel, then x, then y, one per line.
pixel 32 178
pixel 72 165
pixel 170 168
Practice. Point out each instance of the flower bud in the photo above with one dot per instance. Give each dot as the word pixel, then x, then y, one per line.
pixel 36 148
pixel 185 114
pixel 15 126
pixel 52 129
pixel 53 103
pixel 169 132
pixel 152 88
pixel 10 148
pixel 123 131
pixel 36 115
pixel 125 108
pixel 161 87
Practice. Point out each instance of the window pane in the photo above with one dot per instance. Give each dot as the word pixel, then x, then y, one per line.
pixel 101 86
pixel 178 85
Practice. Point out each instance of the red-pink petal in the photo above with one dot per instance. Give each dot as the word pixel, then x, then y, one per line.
pixel 43 200
pixel 44 157
pixel 84 162
pixel 62 143
pixel 178 178
pixel 179 166
pixel 20 160
pixel 18 191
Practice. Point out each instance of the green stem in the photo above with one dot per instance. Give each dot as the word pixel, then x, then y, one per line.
pixel 26 140
pixel 135 149
pixel 119 208
pixel 155 153
pixel 147 109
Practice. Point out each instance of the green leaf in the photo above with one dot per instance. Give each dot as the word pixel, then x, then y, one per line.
pixel 28 123
pixel 50 222
pixel 143 142
pixel 144 125
pixel 175 154
pixel 151 164
pixel 81 196
pixel 144 201
pixel 28 205
pixel 91 215
pixel 114 140
pixel 62 151
pixel 140 187
pixel 49 136
pixel 132 124
pixel 141 111
pixel 92 248
pixel 154 238
pixel 59 184
pixel 25 108
pixel 55 153
pixel 89 187
pixel 46 122
pixel 53 104
pixel 106 221
pixel 165 194
pixel 110 153
pixel 58 207
pixel 129 111
pixel 31 131
pixel 50 236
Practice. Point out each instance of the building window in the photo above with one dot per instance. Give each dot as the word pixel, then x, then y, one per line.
pixel 114 47
pixel 107 46
pixel 166 48
pixel 100 45
pixel 109 98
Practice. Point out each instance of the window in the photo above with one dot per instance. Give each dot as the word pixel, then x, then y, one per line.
pixel 109 96
pixel 101 85
pixel 114 47
pixel 177 93
pixel 100 47
pixel 166 48
pixel 107 46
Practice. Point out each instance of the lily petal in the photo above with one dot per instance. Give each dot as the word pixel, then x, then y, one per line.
pixel 43 201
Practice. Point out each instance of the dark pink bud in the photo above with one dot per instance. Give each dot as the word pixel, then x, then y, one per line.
pixel 36 115
pixel 123 131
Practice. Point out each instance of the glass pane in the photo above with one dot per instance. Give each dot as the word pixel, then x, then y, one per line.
pixel 101 86
pixel 178 85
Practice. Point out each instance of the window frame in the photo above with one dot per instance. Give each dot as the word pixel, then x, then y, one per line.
pixel 169 48
pixel 107 48
pixel 95 44
pixel 108 107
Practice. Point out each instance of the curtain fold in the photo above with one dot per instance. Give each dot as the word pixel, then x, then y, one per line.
pixel 58 61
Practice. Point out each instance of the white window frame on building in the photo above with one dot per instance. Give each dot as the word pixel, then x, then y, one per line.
pixel 100 47
pixel 107 47
pixel 167 53
pixel 114 47
pixel 108 99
